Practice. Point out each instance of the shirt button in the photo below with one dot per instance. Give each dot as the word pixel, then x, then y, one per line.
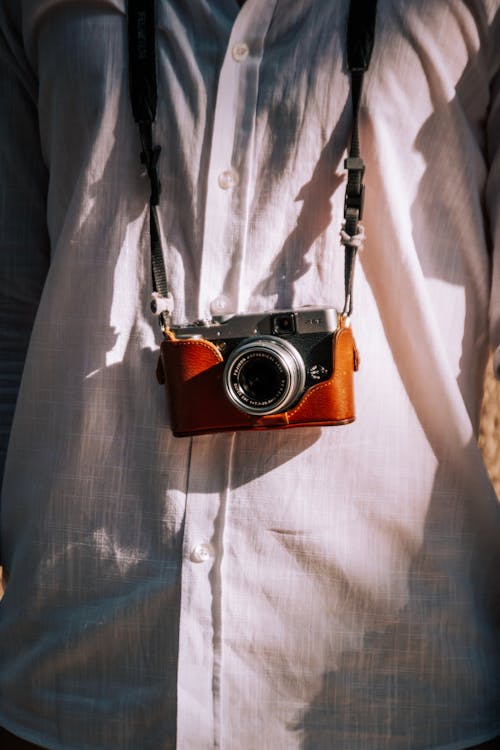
pixel 228 179
pixel 220 305
pixel 240 51
pixel 201 553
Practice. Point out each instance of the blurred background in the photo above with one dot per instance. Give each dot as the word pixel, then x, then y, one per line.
pixel 489 438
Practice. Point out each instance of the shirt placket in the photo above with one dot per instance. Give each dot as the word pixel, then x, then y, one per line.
pixel 207 497
pixel 229 182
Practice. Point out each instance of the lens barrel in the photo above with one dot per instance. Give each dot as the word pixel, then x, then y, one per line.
pixel 264 375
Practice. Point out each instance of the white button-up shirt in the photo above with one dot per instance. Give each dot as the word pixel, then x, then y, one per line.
pixel 308 588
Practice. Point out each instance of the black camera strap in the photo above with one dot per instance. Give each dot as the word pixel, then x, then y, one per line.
pixel 143 94
pixel 360 39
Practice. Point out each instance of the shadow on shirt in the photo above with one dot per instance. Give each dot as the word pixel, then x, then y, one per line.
pixel 425 673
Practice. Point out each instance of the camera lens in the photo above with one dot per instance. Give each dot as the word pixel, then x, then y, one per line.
pixel 264 375
pixel 260 378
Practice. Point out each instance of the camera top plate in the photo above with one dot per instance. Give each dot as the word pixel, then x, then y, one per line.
pixel 275 322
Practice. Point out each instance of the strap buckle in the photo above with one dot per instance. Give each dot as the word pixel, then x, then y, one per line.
pixel 355 189
pixel 149 157
pixel 150 160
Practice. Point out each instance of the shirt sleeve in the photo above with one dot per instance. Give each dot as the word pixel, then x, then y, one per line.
pixel 493 190
pixel 24 244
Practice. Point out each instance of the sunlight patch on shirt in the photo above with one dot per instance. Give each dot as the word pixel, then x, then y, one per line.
pixel 124 557
pixel 127 278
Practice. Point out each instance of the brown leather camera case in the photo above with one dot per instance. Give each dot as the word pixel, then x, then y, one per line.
pixel 193 371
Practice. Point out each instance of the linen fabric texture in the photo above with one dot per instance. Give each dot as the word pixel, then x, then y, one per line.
pixel 308 588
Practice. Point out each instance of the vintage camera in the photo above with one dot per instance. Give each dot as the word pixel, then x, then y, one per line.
pixel 259 371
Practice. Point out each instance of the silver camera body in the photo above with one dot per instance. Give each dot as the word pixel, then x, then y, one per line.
pixel 271 358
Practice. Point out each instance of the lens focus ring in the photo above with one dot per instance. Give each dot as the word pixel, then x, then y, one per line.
pixel 264 375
